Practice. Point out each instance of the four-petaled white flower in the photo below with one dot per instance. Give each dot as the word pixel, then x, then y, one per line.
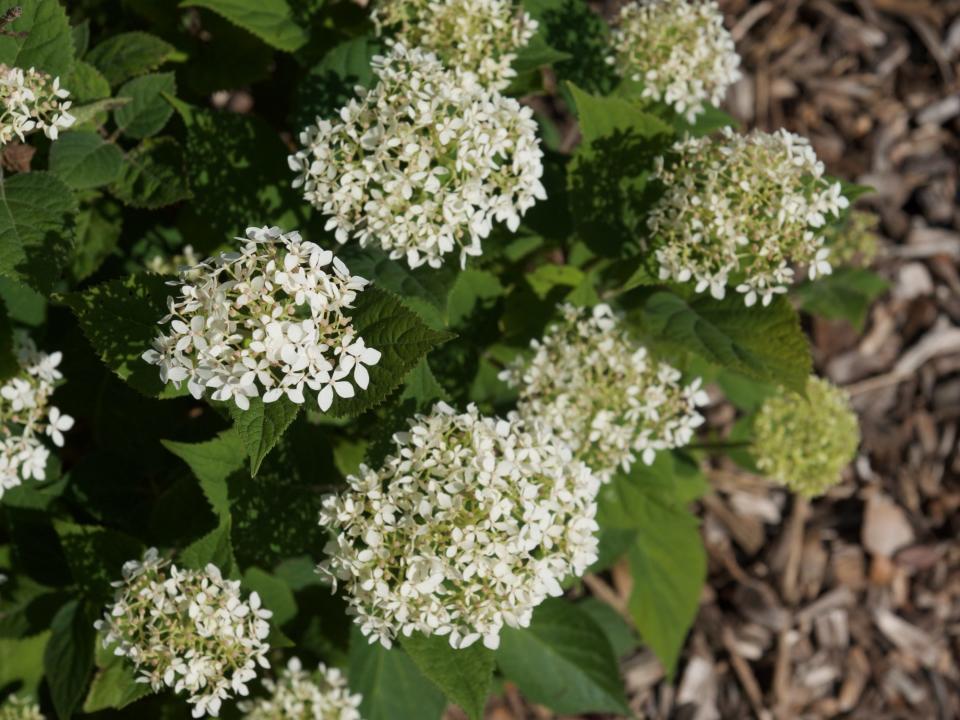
pixel 470 525
pixel 268 319
pixel 26 415
pixel 424 163
pixel 742 209
pixel 188 630
pixel 31 100
pixel 603 394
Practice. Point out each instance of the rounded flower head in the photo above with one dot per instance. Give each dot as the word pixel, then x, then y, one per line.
pixel 472 524
pixel 678 49
pixel 26 415
pixel 806 442
pixel 322 695
pixel 479 36
pixel 423 163
pixel 19 708
pixel 269 318
pixel 855 241
pixel 31 100
pixel 603 394
pixel 740 209
pixel 188 630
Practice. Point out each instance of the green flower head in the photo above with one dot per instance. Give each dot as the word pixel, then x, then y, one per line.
pixel 805 442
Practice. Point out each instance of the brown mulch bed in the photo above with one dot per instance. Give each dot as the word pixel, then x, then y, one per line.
pixel 848 606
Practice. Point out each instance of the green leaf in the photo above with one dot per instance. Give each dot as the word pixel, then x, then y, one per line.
pixel 471 288
pixel 546 277
pixel 84 160
pixel 36 234
pixel 270 20
pixel 129 54
pixel 382 320
pixel 95 556
pixel 463 675
pixel 421 386
pixel 213 548
pixel 114 687
pixel 212 462
pixel 68 657
pixel 390 683
pixel 8 361
pixel 618 632
pixel 537 54
pixel 48 45
pixel 99 226
pixel 148 111
pixel 119 318
pixel 607 181
pixel 669 566
pixel 81 37
pixel 764 343
pixel 85 83
pixel 563 661
pixel 262 426
pixel 95 112
pixel 25 305
pixel 845 295
pixel 275 593
pixel 238 173
pixel 152 175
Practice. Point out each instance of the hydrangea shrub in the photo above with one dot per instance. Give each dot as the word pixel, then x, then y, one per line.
pixel 338 345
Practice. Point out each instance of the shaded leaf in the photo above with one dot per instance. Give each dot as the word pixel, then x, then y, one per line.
pixel 275 594
pixel 95 556
pixel 148 111
pixel 68 657
pixel 270 20
pixel 152 175
pixel 36 233
pixel 464 676
pixel 84 160
pixel 213 548
pixel 129 54
pixel 564 661
pixel 212 462
pixel 844 295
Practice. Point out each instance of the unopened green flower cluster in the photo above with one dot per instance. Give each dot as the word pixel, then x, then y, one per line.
pixel 855 242
pixel 806 442
pixel 18 708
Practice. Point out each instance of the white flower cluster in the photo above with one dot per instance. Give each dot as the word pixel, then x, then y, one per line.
pixel 20 708
pixel 679 50
pixel 741 209
pixel 478 36
pixel 323 695
pixel 26 415
pixel 471 525
pixel 270 316
pixel 31 100
pixel 423 163
pixel 602 394
pixel 187 630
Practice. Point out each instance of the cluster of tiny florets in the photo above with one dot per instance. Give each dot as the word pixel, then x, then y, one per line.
pixel 806 442
pixel 855 242
pixel 603 394
pixel 188 630
pixel 20 708
pixel 321 695
pixel 31 100
pixel 422 164
pixel 185 260
pixel 269 317
pixel 26 415
pixel 467 528
pixel 478 36
pixel 741 209
pixel 678 49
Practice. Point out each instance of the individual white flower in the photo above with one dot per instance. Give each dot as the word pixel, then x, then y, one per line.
pixel 479 36
pixel 467 528
pixel 187 630
pixel 742 209
pixel 603 394
pixel 20 708
pixel 31 100
pixel 269 318
pixel 321 695
pixel 26 415
pixel 678 49
pixel 422 164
